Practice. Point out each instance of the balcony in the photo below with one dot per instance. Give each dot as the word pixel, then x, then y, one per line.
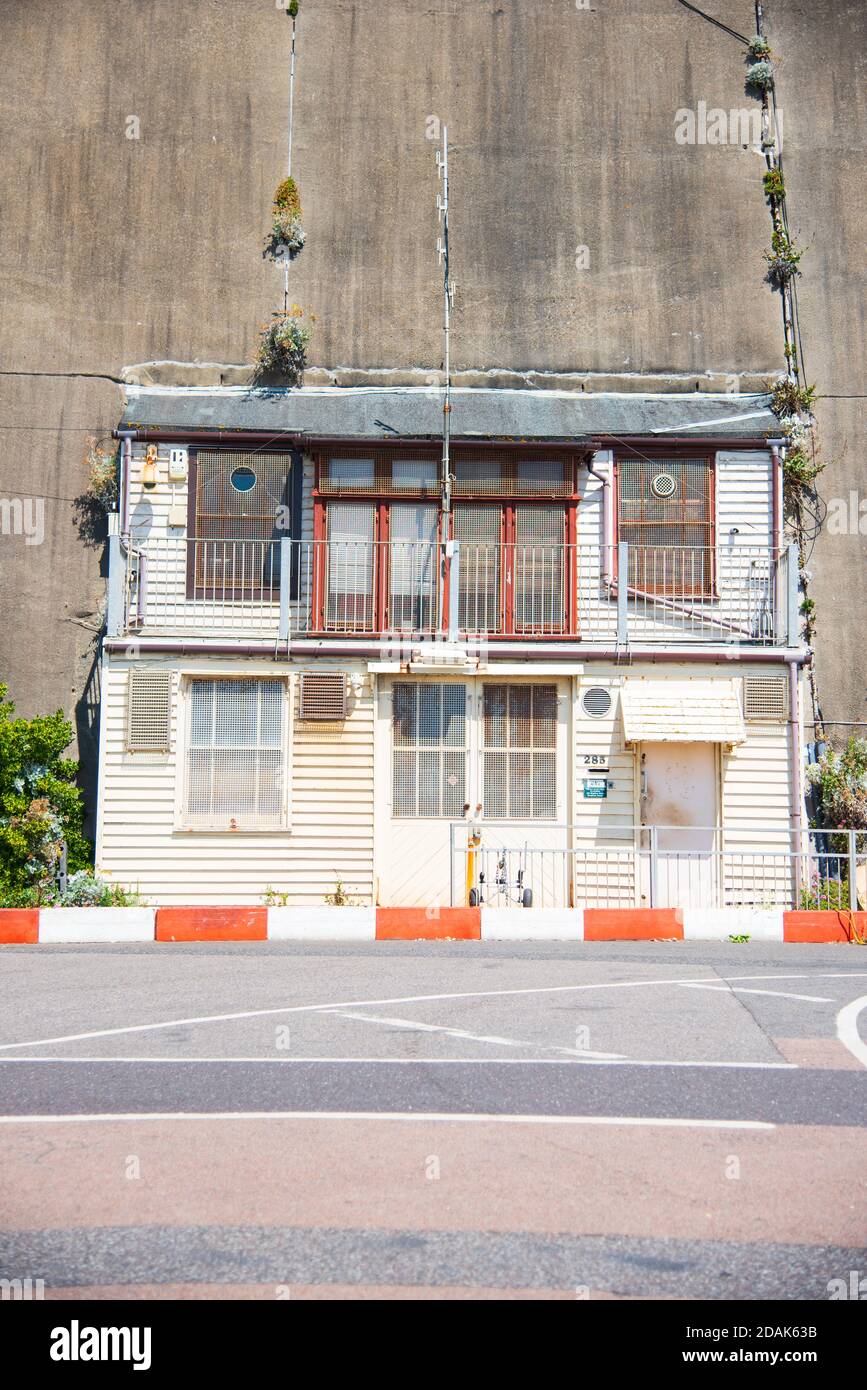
pixel 730 594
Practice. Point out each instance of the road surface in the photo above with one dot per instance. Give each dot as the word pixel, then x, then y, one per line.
pixel 434 1120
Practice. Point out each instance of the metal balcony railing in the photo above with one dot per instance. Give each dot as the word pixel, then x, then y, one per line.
pixel 611 595
pixel 611 866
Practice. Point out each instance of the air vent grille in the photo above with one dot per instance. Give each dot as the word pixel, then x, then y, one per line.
pixel 663 485
pixel 149 711
pixel 766 697
pixel 596 701
pixel 322 696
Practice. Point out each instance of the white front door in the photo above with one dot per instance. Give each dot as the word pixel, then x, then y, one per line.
pixel 679 798
pixel 448 743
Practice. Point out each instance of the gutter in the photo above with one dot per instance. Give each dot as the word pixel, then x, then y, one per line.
pixel 623 444
pixel 383 651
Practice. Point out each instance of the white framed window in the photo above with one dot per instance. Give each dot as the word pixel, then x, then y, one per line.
pixel 235 757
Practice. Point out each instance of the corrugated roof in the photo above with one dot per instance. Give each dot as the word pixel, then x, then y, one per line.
pixel 681 711
pixel 372 412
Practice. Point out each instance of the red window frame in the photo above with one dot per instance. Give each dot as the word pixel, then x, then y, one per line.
pixel 707 588
pixel 382 496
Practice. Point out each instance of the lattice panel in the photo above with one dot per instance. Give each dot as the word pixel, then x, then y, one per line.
pixel 429 750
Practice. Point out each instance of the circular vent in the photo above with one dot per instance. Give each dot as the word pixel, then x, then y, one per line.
pixel 663 485
pixel 243 479
pixel 596 702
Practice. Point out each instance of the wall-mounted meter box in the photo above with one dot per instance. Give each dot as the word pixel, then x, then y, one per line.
pixel 178 465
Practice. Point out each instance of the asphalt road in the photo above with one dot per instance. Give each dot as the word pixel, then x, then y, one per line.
pixel 433 1120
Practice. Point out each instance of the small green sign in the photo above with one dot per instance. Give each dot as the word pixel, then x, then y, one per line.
pixel 595 788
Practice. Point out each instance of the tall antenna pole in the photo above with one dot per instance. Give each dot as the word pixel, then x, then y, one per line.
pixel 289 158
pixel 442 158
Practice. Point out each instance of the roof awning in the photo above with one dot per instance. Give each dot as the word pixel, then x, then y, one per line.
pixel 681 711
pixel 372 412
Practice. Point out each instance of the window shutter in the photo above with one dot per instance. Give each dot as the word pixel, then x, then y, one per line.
pixel 766 697
pixel 322 696
pixel 149 711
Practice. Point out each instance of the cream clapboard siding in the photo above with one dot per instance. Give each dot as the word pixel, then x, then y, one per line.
pixel 743 504
pixel 168 607
pixel 330 807
pixel 754 792
pixel 603 876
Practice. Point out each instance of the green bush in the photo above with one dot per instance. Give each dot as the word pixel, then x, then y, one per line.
pixel 825 895
pixel 40 805
pixel 841 782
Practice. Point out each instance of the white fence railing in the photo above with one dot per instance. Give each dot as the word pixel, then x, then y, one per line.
pixel 659 866
pixel 616 595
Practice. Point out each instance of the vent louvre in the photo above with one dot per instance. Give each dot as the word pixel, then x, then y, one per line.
pixel 149 711
pixel 322 697
pixel 766 697
pixel 596 701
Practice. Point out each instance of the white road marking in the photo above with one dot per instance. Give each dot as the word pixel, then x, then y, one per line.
pixel 404 999
pixel 577 1060
pixel 409 1025
pixel 847 1029
pixel 772 993
pixel 418 1117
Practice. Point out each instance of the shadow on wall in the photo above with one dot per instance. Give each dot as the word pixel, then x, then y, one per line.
pixel 87 732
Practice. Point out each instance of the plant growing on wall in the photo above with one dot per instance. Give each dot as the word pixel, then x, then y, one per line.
pixel 783 258
pixel 760 76
pixel 758 48
pixel 774 186
pixel 287 234
pixel 283 345
pixel 40 805
pixel 789 399
pixel 102 471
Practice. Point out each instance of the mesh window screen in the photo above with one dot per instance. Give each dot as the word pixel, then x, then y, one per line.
pixel 351 553
pixel 520 760
pixel 490 476
pixel 479 603
pixel 413 566
pixel 429 750
pixel 238 528
pixel 540 598
pixel 235 751
pixel 665 512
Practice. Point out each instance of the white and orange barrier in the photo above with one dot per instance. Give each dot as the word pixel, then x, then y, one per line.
pixel 56 925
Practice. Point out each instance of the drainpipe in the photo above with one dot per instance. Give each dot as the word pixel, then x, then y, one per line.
pixel 126 437
pixel 607 539
pixel 776 497
pixel 795 779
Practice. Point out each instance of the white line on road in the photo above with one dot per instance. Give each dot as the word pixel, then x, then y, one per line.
pixel 419 1117
pixel 402 999
pixel 772 993
pixel 847 1029
pixel 408 1025
pixel 578 1059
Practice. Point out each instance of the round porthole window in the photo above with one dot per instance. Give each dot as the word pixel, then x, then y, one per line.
pixel 243 479
pixel 663 485
pixel 596 701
